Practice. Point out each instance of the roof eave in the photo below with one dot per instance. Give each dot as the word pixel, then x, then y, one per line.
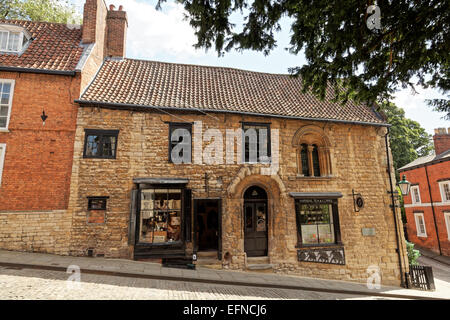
pixel 141 107
pixel 33 70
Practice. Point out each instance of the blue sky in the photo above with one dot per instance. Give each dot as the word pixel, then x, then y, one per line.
pixel 165 36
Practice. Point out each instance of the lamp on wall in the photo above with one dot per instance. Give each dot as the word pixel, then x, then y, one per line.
pixel 43 117
pixel 405 186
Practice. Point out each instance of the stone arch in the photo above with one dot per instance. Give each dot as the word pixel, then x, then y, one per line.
pixel 312 143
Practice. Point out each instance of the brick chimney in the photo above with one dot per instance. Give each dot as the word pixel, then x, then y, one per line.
pixel 116 32
pixel 92 20
pixel 441 140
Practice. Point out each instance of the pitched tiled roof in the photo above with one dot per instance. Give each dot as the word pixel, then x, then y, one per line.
pixel 444 156
pixel 180 86
pixel 54 47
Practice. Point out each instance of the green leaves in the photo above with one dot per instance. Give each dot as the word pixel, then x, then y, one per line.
pixel 39 10
pixel 411 48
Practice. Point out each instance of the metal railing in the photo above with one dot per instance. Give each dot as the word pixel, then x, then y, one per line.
pixel 421 277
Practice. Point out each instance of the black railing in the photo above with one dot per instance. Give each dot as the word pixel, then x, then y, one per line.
pixel 421 277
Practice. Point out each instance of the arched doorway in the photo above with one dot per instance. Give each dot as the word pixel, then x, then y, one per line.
pixel 255 222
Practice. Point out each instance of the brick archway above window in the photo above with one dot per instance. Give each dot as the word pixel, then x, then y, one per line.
pixel 313 149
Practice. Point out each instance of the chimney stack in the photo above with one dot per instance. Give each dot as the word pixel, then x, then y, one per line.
pixel 116 31
pixel 441 140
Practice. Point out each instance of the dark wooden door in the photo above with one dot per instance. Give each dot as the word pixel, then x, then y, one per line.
pixel 255 228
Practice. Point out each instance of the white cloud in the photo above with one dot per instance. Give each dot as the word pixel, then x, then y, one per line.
pixel 154 33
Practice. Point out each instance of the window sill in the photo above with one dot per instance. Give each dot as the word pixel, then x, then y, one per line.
pixel 4 130
pixel 319 246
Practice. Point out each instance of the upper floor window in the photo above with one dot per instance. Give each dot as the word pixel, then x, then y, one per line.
pixel 2 159
pixel 13 39
pixel 444 186
pixel 100 143
pixel 313 152
pixel 180 142
pixel 6 94
pixel 256 142
pixel 415 194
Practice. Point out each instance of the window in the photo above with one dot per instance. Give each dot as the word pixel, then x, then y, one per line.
pixel 97 203
pixel 447 223
pixel 2 159
pixel 180 143
pixel 100 143
pixel 317 221
pixel 420 224
pixel 256 142
pixel 313 152
pixel 160 215
pixel 444 186
pixel 415 194
pixel 6 93
pixel 13 38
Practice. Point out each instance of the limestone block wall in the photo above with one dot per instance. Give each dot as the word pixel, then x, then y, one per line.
pixel 358 160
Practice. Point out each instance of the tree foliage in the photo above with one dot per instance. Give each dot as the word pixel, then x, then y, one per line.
pixel 411 48
pixel 39 10
pixel 409 140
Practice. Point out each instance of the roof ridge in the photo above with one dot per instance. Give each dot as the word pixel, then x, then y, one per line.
pixel 32 21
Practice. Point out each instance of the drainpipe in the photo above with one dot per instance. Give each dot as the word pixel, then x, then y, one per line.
pixel 403 276
pixel 432 209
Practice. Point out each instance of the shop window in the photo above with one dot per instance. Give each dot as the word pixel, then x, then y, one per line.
pixel 160 215
pixel 313 152
pixel 180 143
pixel 256 142
pixel 2 159
pixel 97 203
pixel 420 224
pixel 100 144
pixel 317 222
pixel 6 94
pixel 444 186
pixel 415 194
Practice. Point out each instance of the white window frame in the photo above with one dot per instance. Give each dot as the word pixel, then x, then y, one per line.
pixel 447 222
pixel 413 196
pixel 19 45
pixel 24 34
pixel 441 188
pixel 11 94
pixel 418 215
pixel 2 160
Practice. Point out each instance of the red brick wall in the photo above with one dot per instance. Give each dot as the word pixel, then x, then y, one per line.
pixel 38 160
pixel 441 141
pixel 436 172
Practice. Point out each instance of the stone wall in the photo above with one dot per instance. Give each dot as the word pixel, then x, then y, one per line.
pixel 40 231
pixel 358 159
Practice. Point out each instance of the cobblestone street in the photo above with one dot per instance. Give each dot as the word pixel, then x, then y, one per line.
pixel 43 284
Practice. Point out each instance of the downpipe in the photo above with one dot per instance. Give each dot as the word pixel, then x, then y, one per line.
pixel 403 275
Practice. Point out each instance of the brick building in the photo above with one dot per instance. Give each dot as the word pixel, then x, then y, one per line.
pixel 44 67
pixel 427 206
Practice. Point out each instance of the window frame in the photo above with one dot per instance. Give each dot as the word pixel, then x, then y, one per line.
pixel 2 160
pixel 105 198
pixel 103 134
pixel 11 94
pixel 442 191
pixel 419 233
pixel 335 218
pixel 178 125
pixel 447 222
pixel 20 43
pixel 413 197
pixel 269 142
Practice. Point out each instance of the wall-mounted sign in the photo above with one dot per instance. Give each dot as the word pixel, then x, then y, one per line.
pixel 367 232
pixel 358 201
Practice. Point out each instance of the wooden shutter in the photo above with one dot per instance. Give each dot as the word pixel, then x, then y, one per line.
pixel 133 215
pixel 187 214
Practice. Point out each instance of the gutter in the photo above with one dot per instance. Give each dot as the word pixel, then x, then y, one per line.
pixel 432 210
pixel 32 70
pixel 114 105
pixel 403 276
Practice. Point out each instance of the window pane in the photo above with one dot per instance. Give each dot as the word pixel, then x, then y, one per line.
pixel 249 218
pixel 447 191
pixel 315 159
pixel 2 122
pixel 309 234
pixel 6 88
pixel 326 233
pixel 109 146
pixel 97 204
pixel 4 98
pixel 13 43
pixel 3 40
pixel 304 159
pixel 92 146
pixel 4 111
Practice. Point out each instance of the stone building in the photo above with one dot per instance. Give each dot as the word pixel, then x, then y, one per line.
pixel 313 200
pixel 427 207
pixel 44 67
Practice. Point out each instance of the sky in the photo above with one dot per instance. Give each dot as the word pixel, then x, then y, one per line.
pixel 164 35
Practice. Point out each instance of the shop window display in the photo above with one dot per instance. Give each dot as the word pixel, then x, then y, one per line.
pixel 160 218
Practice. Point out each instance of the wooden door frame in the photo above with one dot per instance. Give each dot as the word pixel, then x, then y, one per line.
pixel 219 217
pixel 253 202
